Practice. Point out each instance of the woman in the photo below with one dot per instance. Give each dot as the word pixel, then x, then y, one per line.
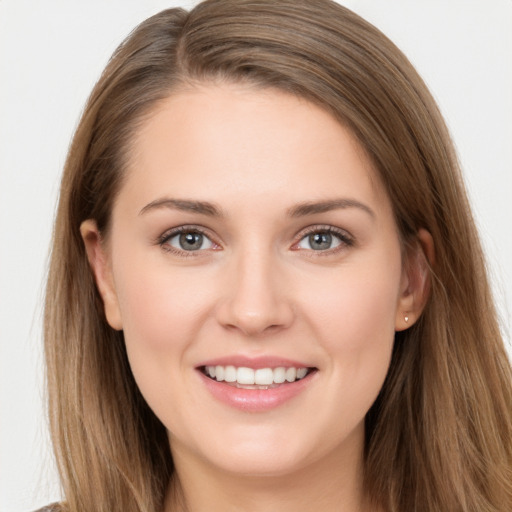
pixel 266 289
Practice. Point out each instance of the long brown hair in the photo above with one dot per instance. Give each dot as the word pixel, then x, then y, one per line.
pixel 439 436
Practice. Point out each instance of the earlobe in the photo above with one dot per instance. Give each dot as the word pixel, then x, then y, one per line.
pixel 99 262
pixel 415 286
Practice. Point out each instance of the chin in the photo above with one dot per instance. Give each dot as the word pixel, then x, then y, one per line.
pixel 276 452
pixel 264 464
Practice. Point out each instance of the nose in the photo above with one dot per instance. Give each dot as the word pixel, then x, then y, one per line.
pixel 257 299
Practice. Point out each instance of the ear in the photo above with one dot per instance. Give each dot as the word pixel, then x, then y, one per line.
pixel 100 265
pixel 415 284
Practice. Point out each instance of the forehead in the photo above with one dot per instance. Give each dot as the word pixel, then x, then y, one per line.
pixel 235 143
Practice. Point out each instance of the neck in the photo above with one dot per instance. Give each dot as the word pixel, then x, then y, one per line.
pixel 331 484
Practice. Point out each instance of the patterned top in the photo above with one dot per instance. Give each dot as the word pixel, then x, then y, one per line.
pixel 55 507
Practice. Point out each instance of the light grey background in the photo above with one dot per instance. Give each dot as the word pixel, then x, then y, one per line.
pixel 52 52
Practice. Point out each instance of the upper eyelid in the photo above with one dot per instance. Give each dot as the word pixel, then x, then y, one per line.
pixel 186 228
pixel 163 241
pixel 347 240
pixel 313 228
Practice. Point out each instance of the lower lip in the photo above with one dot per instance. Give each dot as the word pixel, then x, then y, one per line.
pixel 256 400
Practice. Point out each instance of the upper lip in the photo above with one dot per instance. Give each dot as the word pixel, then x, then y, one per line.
pixel 254 362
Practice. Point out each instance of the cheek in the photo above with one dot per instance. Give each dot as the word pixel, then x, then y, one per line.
pixel 161 312
pixel 156 303
pixel 360 311
pixel 355 323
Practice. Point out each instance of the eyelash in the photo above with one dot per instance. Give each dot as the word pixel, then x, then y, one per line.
pixel 170 234
pixel 345 239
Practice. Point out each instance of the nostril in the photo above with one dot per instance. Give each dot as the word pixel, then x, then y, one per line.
pixel 254 319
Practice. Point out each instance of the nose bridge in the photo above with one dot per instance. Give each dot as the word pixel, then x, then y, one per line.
pixel 256 300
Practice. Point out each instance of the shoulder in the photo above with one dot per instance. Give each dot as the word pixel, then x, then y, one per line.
pixel 55 507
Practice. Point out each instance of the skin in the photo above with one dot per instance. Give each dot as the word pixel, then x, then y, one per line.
pixel 256 288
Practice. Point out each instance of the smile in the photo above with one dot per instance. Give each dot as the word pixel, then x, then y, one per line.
pixel 260 378
pixel 258 384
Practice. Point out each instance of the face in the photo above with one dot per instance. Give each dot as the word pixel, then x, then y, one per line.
pixel 255 268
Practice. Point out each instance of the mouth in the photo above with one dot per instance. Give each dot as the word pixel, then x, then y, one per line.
pixel 260 379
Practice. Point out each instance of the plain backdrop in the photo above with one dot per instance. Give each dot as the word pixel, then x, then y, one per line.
pixel 51 54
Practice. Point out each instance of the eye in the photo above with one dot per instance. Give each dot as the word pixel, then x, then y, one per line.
pixel 187 240
pixel 323 240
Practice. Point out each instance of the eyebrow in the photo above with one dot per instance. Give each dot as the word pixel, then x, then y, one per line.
pixel 311 208
pixel 299 210
pixel 185 205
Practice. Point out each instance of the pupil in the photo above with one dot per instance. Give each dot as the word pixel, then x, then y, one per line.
pixel 319 241
pixel 191 241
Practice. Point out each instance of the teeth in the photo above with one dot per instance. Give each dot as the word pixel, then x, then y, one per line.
pixel 260 377
pixel 230 374
pixel 219 373
pixel 291 374
pixel 279 375
pixel 245 375
pixel 301 373
pixel 264 376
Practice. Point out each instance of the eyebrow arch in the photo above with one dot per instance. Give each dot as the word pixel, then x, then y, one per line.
pixel 310 208
pixel 202 207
